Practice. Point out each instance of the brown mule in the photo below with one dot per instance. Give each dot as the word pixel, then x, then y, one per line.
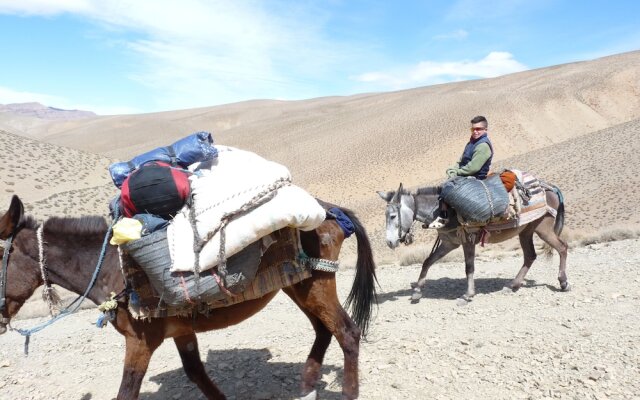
pixel 73 247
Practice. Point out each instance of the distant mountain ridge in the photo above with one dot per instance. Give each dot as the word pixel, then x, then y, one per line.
pixel 37 110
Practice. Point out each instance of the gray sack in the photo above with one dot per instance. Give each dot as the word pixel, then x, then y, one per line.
pixel 176 289
pixel 476 200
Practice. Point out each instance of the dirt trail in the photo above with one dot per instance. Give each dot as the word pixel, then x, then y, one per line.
pixel 534 344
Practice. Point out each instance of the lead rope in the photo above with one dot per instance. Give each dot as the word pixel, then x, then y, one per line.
pixel 73 307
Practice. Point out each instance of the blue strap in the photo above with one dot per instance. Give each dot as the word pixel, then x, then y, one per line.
pixel 343 220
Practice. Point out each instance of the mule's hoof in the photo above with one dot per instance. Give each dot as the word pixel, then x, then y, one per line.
pixel 565 287
pixel 311 396
pixel 415 297
pixel 508 290
pixel 463 301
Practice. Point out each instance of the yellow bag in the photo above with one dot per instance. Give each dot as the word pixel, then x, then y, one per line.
pixel 126 230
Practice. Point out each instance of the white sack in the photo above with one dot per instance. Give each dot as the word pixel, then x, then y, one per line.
pixel 235 177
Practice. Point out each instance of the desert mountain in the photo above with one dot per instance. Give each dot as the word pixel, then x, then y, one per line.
pixel 574 125
pixel 38 110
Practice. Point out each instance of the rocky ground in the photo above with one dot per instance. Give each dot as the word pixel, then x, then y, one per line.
pixel 534 344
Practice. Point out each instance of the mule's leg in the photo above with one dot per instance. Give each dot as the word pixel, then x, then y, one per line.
pixel 317 297
pixel 442 250
pixel 469 249
pixel 138 351
pixel 311 371
pixel 529 254
pixel 546 233
pixel 190 355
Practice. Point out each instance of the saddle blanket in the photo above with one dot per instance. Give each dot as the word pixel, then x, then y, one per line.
pixel 527 203
pixel 237 182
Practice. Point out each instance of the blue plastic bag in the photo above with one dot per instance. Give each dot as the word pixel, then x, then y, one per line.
pixel 193 148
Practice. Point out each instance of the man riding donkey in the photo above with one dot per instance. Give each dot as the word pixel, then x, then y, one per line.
pixel 475 161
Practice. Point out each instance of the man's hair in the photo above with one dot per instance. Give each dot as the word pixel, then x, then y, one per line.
pixel 479 119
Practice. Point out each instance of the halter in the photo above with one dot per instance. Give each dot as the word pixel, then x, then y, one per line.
pixel 3 277
pixel 3 272
pixel 403 237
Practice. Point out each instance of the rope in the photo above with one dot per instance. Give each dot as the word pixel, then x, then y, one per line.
pixel 48 291
pixel 486 189
pixel 73 307
pixel 256 201
pixel 320 264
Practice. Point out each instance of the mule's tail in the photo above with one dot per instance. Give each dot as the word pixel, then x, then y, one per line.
pixel 557 227
pixel 363 295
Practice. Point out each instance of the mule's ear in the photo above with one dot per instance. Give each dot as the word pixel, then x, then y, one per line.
pixel 11 218
pixel 386 196
pixel 400 188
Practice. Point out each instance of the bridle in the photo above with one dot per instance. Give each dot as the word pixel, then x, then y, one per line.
pixel 403 237
pixel 3 273
pixel 48 289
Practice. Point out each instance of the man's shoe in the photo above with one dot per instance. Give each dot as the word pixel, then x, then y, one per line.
pixel 438 223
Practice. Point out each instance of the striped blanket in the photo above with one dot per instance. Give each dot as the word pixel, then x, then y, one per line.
pixel 527 203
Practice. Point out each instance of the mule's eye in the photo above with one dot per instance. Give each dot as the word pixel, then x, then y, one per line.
pixel 392 216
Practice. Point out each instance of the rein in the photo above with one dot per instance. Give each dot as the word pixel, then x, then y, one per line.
pixel 71 308
pixel 3 276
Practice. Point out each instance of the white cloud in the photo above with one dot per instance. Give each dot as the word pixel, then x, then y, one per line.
pixel 8 96
pixel 43 7
pixel 204 52
pixel 430 72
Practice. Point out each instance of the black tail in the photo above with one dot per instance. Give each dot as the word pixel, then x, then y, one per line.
pixel 557 227
pixel 363 295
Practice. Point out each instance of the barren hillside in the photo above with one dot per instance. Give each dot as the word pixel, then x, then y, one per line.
pixel 571 124
pixel 53 180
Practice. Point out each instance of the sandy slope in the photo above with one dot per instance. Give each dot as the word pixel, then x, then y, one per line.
pixel 571 124
pixel 538 343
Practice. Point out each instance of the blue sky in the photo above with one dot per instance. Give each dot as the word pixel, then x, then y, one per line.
pixel 116 57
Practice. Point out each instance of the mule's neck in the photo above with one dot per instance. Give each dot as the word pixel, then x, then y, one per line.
pixel 426 206
pixel 71 261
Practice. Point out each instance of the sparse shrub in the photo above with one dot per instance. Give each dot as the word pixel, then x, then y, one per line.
pixel 610 235
pixel 415 254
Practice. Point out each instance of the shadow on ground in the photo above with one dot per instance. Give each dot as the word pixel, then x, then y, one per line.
pixel 451 289
pixel 244 374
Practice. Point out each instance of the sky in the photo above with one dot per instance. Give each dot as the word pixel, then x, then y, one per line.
pixel 129 57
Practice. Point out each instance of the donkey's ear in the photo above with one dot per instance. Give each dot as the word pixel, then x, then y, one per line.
pixel 11 218
pixel 386 196
pixel 400 188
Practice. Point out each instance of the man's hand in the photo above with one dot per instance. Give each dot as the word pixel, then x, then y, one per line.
pixel 452 172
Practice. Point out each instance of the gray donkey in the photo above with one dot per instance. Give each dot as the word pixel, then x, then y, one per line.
pixel 404 207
